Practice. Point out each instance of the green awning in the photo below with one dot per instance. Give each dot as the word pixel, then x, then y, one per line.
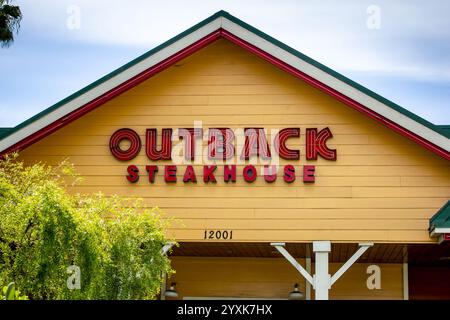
pixel 441 219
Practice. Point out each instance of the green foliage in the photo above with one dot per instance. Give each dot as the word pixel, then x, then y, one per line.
pixel 10 17
pixel 115 242
pixel 10 293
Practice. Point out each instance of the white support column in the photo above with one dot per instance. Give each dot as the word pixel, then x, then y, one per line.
pixel 321 277
pixel 405 273
pixel 308 285
pixel 405 282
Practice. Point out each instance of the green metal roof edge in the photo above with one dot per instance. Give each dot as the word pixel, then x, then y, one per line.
pixel 445 129
pixel 4 131
pixel 441 219
pixel 259 33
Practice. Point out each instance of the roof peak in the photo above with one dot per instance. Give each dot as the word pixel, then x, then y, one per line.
pixel 223 24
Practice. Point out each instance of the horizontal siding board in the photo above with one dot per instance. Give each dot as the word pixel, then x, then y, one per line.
pixel 324 171
pixel 95 129
pixel 338 140
pixel 323 181
pixel 202 149
pixel 219 80
pixel 255 89
pixel 306 108
pixel 351 235
pixel 201 190
pixel 304 224
pixel 238 192
pixel 107 130
pixel 345 160
pixel 256 120
pixel 388 203
pixel 310 213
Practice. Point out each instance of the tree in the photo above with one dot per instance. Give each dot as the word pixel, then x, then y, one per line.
pixel 10 17
pixel 115 242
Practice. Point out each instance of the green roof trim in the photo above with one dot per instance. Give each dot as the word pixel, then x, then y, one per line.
pixel 5 131
pixel 445 129
pixel 442 131
pixel 442 218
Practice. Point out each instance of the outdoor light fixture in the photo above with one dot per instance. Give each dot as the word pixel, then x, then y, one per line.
pixel 171 292
pixel 295 294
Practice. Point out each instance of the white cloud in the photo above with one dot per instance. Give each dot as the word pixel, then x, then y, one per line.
pixel 332 33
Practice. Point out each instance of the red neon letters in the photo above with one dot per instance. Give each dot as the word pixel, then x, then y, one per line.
pixel 166 145
pixel 280 143
pixel 125 134
pixel 189 135
pixel 316 143
pixel 221 144
pixel 228 173
pixel 255 144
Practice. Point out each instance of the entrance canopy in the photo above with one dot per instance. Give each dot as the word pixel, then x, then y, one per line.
pixel 438 255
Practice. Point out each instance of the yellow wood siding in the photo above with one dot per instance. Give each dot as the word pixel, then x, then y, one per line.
pixel 382 187
pixel 274 278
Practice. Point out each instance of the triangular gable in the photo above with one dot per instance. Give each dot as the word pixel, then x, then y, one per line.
pixel 217 26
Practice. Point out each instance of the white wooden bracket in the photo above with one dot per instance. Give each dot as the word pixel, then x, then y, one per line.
pixel 280 247
pixel 362 248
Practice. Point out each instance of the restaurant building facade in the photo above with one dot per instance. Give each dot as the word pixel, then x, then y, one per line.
pixel 278 170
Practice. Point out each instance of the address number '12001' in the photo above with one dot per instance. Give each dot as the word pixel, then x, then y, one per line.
pixel 218 234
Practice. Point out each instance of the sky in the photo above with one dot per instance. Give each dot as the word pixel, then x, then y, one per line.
pixel 398 49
